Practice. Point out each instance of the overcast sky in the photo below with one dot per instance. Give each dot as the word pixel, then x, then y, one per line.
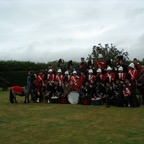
pixel 47 30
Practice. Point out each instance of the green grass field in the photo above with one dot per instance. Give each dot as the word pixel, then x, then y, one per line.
pixel 40 123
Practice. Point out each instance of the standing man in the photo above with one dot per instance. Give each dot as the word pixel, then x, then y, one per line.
pixel 133 74
pixel 31 84
pixel 40 86
pixel 141 83
pixel 83 64
pixel 101 63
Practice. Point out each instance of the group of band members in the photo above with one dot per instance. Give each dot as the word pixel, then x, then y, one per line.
pixel 103 83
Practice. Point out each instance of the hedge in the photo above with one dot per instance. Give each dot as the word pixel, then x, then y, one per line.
pixel 15 77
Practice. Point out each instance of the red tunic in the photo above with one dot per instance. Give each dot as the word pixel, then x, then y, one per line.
pixel 76 84
pixel 111 76
pixel 51 77
pixel 66 78
pixel 134 75
pixel 138 67
pixel 82 79
pixel 40 81
pixel 122 76
pixel 127 91
pixel 101 76
pixel 101 64
pixel 73 79
pixel 59 79
pixel 92 79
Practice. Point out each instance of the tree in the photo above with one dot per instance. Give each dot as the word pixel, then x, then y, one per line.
pixel 108 52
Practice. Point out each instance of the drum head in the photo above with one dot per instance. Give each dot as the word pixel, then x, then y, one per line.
pixel 73 97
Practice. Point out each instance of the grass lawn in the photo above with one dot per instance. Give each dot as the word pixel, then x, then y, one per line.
pixel 40 123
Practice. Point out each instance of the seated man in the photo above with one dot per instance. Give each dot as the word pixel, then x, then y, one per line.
pixel 75 81
pixel 85 93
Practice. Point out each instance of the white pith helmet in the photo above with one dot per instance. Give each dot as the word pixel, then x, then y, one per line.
pixel 120 68
pixel 74 72
pixel 100 56
pixel 99 70
pixel 90 71
pixel 66 72
pixel 109 68
pixel 50 70
pixel 132 65
pixel 59 70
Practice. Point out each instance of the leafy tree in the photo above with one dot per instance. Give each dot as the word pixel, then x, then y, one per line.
pixel 108 52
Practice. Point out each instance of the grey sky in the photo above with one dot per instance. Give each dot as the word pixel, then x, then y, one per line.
pixel 46 30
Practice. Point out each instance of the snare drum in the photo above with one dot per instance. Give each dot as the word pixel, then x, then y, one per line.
pixel 73 97
pixel 86 101
pixel 63 100
pixel 96 101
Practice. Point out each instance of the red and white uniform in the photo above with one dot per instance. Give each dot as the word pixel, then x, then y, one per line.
pixel 92 79
pixel 66 78
pixel 127 90
pixel 74 80
pixel 111 76
pixel 82 79
pixel 51 78
pixel 138 67
pixel 134 75
pixel 40 81
pixel 59 79
pixel 101 76
pixel 121 76
pixel 101 64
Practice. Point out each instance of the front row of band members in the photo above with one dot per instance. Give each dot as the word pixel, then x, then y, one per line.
pixel 110 89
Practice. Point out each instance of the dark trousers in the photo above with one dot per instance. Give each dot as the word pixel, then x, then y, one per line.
pixel 127 101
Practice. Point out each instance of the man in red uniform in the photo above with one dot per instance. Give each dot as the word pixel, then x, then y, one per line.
pixel 141 83
pixel 130 98
pixel 59 77
pixel 50 77
pixel 82 78
pixel 137 65
pixel 121 75
pixel 83 64
pixel 66 77
pixel 99 75
pixel 91 78
pixel 133 74
pixel 109 76
pixel 58 87
pixel 50 85
pixel 74 80
pixel 101 63
pixel 127 92
pixel 40 85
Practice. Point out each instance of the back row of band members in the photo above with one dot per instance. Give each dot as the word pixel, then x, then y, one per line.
pixel 100 63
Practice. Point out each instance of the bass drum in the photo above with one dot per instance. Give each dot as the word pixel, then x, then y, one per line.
pixel 73 97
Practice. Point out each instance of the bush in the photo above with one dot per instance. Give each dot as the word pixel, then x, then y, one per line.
pixel 15 77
